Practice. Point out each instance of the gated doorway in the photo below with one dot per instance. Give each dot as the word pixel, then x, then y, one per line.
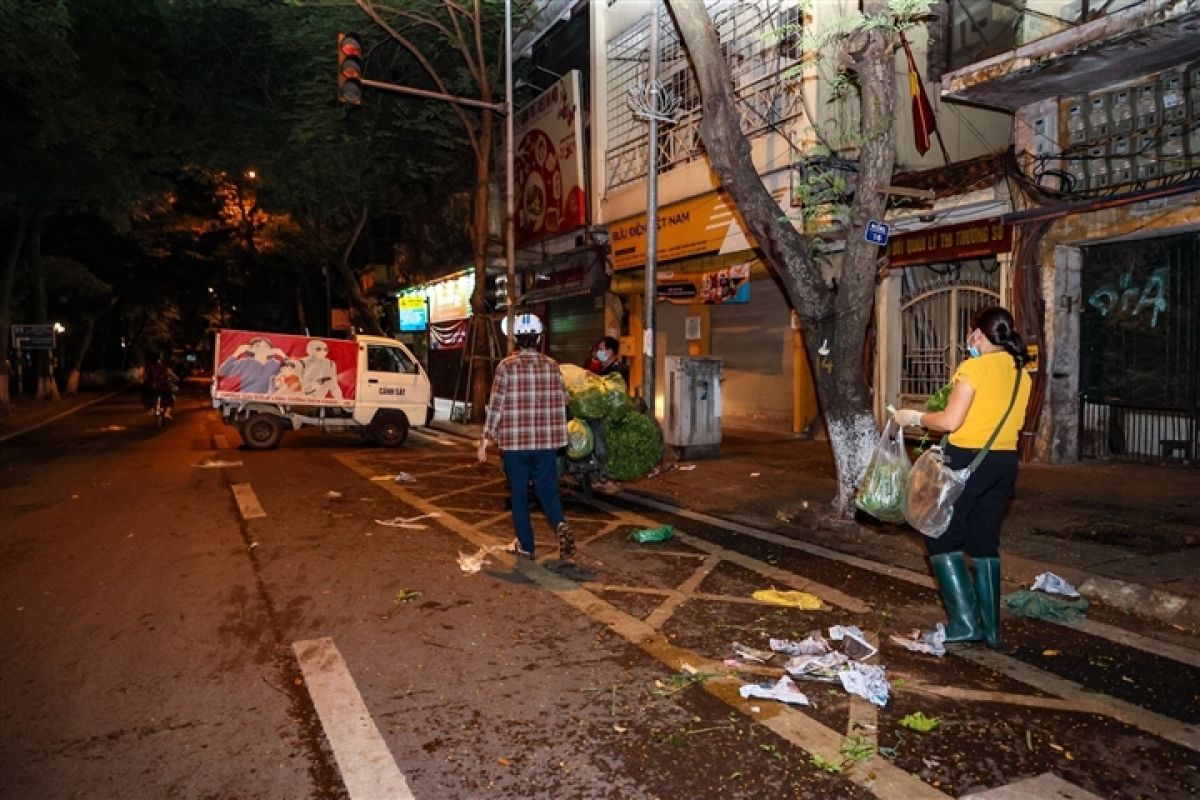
pixel 936 304
pixel 1139 355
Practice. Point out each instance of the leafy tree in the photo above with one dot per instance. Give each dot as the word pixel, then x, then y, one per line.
pixel 835 313
pixel 473 33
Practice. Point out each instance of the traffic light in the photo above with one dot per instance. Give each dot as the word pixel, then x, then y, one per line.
pixel 349 69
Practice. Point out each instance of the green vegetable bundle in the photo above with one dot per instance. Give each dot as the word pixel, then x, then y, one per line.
pixel 937 401
pixel 634 447
pixel 595 397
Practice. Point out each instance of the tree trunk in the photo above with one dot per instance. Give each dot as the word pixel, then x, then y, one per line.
pixel 7 279
pixel 365 312
pixel 47 387
pixel 481 352
pixel 834 318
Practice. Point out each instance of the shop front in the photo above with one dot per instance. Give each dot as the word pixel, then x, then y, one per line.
pixel 937 279
pixel 716 298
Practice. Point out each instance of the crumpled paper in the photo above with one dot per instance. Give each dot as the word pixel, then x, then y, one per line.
pixel 932 643
pixel 867 681
pixel 817 668
pixel 471 563
pixel 784 690
pixel 748 653
pixel 1050 583
pixel 813 645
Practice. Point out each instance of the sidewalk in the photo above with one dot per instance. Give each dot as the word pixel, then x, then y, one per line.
pixel 1126 535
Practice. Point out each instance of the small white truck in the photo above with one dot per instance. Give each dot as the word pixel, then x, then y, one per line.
pixel 265 383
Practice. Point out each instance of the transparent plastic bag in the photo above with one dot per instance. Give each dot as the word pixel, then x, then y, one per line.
pixel 580 441
pixel 881 493
pixel 933 488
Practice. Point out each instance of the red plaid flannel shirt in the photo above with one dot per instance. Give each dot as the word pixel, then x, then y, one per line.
pixel 528 407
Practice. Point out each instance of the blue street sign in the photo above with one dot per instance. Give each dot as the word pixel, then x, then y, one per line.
pixel 877 232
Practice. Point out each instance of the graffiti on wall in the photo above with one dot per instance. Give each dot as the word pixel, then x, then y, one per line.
pixel 1126 300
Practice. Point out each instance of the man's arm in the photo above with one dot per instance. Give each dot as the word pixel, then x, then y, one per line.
pixel 495 410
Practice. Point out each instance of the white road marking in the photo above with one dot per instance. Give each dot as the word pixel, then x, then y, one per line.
pixel 366 764
pixel 247 501
pixel 1045 785
pixel 220 442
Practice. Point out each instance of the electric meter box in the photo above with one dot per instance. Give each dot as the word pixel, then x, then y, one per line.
pixel 692 419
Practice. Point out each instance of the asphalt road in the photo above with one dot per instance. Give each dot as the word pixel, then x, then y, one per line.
pixel 175 628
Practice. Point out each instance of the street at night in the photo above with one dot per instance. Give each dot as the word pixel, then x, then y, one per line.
pixel 156 631
pixel 599 400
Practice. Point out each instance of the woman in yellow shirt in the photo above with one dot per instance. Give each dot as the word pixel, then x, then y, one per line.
pixel 982 393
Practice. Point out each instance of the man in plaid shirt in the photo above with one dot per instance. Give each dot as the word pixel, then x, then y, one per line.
pixel 527 419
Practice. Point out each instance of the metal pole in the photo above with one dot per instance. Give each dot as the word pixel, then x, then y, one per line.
pixel 510 231
pixel 651 289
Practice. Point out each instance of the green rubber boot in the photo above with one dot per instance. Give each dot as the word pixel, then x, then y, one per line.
pixel 987 593
pixel 958 596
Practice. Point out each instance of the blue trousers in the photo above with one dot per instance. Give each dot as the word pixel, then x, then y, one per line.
pixel 520 466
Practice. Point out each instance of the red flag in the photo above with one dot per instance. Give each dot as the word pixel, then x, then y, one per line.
pixel 922 113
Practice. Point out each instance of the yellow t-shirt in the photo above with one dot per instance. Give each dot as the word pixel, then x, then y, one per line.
pixel 991 376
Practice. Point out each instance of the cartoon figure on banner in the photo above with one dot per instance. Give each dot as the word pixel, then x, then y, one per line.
pixel 320 373
pixel 254 365
pixel 289 381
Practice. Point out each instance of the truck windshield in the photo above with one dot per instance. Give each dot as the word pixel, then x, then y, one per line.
pixel 381 358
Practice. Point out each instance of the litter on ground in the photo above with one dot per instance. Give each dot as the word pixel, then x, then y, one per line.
pixel 686 467
pixel 332 494
pixel 404 477
pixel 854 642
pixel 784 690
pixel 1050 583
pixel 1036 605
pixel 866 680
pixel 471 563
pixel 792 599
pixel 817 668
pixel 649 535
pixel 407 522
pixel 933 643
pixel 748 653
pixel 814 645
pixel 214 463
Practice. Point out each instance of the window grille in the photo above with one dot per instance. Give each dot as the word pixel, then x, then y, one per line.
pixel 760 40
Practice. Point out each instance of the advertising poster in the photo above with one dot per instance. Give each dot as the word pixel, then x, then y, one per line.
pixel 281 368
pixel 414 313
pixel 548 166
pixel 718 287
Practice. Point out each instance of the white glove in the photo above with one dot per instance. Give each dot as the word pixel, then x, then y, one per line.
pixel 907 417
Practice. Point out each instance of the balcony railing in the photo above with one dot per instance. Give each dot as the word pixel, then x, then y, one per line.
pixel 980 29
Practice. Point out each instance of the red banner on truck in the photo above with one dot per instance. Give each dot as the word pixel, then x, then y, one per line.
pixel 280 368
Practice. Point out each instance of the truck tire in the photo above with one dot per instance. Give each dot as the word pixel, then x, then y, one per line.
pixel 262 431
pixel 389 430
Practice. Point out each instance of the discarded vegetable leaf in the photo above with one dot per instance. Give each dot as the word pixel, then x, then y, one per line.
pixel 919 722
pixel 825 764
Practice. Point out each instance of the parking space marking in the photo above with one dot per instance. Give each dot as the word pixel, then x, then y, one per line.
pixel 247 501
pixel 1045 785
pixel 366 764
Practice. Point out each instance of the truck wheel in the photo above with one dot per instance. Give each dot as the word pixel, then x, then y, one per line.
pixel 262 431
pixel 389 430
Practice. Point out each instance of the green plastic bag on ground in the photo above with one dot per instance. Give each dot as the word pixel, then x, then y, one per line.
pixel 580 441
pixel 649 535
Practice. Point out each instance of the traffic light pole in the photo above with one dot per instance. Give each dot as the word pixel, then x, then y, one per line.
pixel 462 101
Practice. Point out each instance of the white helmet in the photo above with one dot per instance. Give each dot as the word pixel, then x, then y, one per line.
pixel 523 324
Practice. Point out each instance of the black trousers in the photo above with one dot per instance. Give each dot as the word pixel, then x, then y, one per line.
pixel 979 512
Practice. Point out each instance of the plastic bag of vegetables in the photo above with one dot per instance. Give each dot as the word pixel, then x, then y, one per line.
pixel 633 447
pixel 580 441
pixel 615 397
pixel 881 493
pixel 574 377
pixel 587 402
